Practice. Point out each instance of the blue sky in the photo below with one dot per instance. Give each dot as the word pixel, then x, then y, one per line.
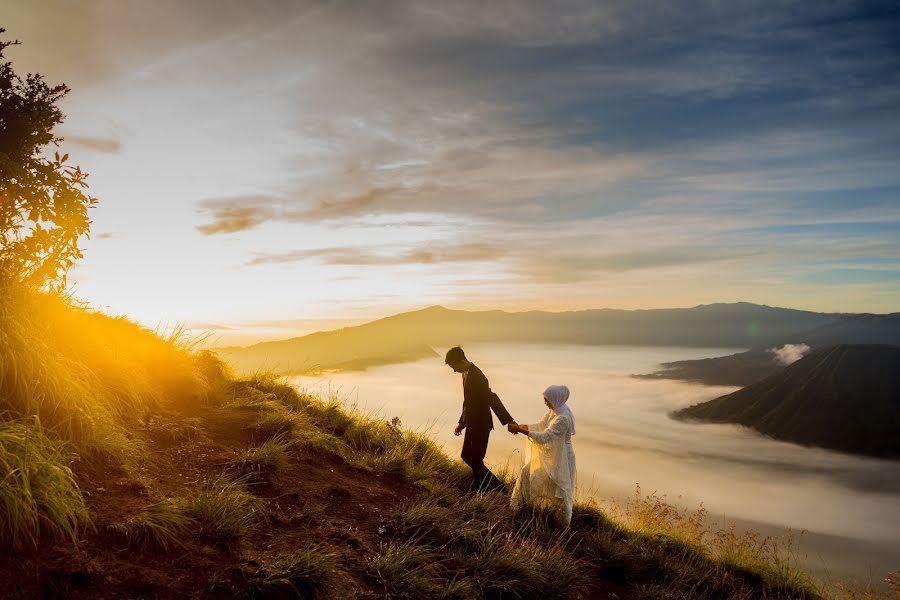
pixel 278 161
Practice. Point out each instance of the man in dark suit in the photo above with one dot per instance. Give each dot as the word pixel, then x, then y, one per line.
pixel 476 420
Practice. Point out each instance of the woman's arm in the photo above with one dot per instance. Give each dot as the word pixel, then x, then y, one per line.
pixel 559 426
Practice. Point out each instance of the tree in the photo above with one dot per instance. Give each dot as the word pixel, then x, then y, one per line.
pixel 43 201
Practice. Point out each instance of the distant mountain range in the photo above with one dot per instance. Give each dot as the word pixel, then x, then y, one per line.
pixel 754 365
pixel 844 397
pixel 412 335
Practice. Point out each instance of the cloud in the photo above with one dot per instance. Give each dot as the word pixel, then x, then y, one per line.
pixel 97 144
pixel 235 214
pixel 432 254
pixel 105 235
pixel 556 267
pixel 591 142
pixel 789 353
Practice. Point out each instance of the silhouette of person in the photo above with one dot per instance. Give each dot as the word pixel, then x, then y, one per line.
pixel 476 420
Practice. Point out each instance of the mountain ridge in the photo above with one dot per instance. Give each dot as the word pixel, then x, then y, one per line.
pixel 726 325
pixel 841 397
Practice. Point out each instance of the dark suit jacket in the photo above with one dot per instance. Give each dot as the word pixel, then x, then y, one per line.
pixel 478 401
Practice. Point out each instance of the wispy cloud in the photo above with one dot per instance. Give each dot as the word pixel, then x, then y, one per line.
pixel 97 144
pixel 231 215
pixel 370 257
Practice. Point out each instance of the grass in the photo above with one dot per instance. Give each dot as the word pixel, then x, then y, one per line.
pixel 277 423
pixel 311 573
pixel 75 383
pixel 404 570
pixel 90 378
pixel 38 492
pixel 264 462
pixel 161 527
pixel 224 510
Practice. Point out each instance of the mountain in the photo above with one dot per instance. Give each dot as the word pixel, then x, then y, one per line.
pixel 739 369
pixel 754 365
pixel 853 329
pixel 411 335
pixel 844 397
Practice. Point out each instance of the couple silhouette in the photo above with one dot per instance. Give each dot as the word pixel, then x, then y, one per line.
pixel 548 475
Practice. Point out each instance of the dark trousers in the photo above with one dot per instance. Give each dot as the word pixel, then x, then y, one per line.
pixel 474 448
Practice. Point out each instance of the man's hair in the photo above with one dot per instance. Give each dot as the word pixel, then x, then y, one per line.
pixel 455 355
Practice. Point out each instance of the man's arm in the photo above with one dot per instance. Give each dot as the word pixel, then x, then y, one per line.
pixel 462 422
pixel 494 402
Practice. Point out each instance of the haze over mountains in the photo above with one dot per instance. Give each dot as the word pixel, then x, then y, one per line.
pixel 844 397
pixel 412 335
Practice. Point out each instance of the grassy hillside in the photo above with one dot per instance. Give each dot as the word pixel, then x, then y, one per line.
pixel 410 335
pixel 133 467
pixel 841 397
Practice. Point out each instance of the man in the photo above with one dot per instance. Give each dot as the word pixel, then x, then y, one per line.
pixel 478 401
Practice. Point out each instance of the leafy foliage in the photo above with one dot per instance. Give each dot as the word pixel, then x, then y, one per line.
pixel 43 204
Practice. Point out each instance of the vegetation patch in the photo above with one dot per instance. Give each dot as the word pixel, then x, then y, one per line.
pixel 38 492
pixel 263 462
pixel 313 573
pixel 162 527
pixel 223 510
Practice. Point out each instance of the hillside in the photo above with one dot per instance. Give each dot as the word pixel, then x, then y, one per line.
pixel 399 337
pixel 845 398
pixel 854 329
pixel 740 369
pixel 132 467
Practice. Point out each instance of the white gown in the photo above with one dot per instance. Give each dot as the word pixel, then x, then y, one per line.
pixel 548 476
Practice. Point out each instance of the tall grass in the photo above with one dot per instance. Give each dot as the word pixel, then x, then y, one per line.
pixel 88 377
pixel 38 492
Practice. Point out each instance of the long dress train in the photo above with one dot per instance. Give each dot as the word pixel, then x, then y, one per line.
pixel 548 476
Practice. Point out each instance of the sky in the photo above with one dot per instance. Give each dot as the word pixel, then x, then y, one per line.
pixel 288 165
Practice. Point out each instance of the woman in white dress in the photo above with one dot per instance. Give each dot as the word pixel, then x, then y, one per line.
pixel 548 476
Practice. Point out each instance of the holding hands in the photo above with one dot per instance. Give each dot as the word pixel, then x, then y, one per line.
pixel 515 428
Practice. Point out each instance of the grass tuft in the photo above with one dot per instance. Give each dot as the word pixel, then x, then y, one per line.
pixel 161 527
pixel 38 492
pixel 312 573
pixel 263 462
pixel 224 510
pixel 405 570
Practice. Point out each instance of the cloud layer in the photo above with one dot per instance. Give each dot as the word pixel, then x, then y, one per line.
pixel 485 152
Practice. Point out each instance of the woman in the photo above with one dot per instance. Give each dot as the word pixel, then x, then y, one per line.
pixel 548 476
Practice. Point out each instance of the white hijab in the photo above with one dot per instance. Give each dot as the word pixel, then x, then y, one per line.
pixel 558 395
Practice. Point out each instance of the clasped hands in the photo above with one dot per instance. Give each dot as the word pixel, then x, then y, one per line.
pixel 515 428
